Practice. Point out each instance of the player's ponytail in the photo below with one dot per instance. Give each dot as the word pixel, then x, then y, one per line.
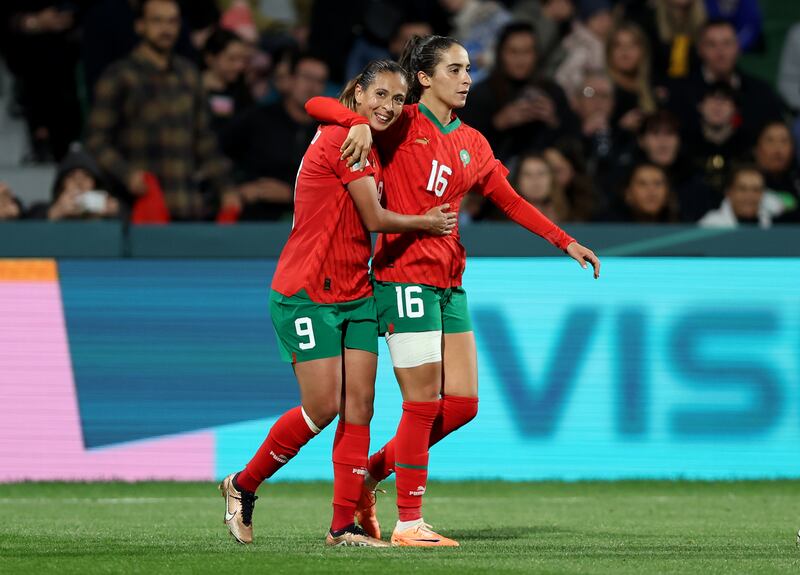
pixel 365 79
pixel 422 54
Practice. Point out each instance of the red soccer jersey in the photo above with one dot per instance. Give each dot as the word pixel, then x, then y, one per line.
pixel 425 165
pixel 328 249
pixel 432 164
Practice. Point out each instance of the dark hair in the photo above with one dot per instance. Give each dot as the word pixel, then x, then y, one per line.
pixel 640 166
pixel 658 121
pixel 423 55
pixel 219 40
pixel 716 23
pixel 297 56
pixel 736 170
pixel 772 123
pixel 367 77
pixel 720 89
pixel 506 32
pixel 498 81
pixel 140 4
pixel 669 213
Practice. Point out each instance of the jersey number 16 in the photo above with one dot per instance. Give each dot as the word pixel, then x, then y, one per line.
pixel 437 182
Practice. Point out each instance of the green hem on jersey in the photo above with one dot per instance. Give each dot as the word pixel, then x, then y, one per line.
pixel 443 129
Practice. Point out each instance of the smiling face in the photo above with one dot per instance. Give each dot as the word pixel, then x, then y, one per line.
pixel 450 81
pixel 382 101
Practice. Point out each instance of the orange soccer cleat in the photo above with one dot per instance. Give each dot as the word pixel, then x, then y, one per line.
pixel 365 512
pixel 420 535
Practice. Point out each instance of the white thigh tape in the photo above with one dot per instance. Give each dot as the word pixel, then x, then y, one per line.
pixel 415 349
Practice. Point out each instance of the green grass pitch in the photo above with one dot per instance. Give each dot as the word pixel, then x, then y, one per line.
pixel 619 528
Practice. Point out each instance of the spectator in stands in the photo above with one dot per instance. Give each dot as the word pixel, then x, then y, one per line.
pixel 78 191
pixel 535 181
pixel 515 108
pixel 628 57
pixel 660 144
pixel 551 20
pixel 150 116
pixel 774 157
pixel 10 207
pixel 225 56
pixel 367 48
pixel 719 53
pixel 677 26
pixel 789 69
pixel 565 159
pixel 602 142
pixel 41 44
pixel 476 24
pixel 109 33
pixel 585 46
pixel 268 142
pixel 745 201
pixel 719 141
pixel 647 198
pixel 745 15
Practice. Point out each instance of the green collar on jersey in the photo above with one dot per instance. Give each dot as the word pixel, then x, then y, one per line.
pixel 443 129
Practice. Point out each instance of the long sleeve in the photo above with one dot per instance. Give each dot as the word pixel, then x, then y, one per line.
pixel 104 121
pixel 498 190
pixel 331 111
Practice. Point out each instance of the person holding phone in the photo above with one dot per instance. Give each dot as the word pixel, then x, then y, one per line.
pixel 79 191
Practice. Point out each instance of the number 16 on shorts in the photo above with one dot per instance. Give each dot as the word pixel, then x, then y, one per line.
pixel 409 305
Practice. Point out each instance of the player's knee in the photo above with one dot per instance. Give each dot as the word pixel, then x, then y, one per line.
pixel 323 412
pixel 360 414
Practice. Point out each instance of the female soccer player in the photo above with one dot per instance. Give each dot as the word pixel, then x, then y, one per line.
pixel 430 157
pixel 324 312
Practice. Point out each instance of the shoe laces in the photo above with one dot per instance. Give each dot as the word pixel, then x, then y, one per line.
pixel 425 527
pixel 248 504
pixel 357 530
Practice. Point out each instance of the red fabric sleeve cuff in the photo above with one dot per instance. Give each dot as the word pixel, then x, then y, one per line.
pixel 331 111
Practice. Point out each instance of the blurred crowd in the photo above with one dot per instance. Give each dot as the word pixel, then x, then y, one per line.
pixel 193 110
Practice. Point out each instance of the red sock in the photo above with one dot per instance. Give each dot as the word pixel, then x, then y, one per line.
pixel 350 454
pixel 287 436
pixel 454 412
pixel 411 456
